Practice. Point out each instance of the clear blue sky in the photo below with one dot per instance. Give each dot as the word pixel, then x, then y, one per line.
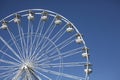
pixel 98 20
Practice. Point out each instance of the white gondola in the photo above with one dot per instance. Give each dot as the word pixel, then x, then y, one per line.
pixel 69 28
pixel 44 16
pixel 85 55
pixel 17 18
pixel 78 39
pixel 88 71
pixel 4 25
pixel 58 20
pixel 30 15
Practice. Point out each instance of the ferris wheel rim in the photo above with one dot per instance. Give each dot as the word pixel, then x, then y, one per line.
pixel 51 14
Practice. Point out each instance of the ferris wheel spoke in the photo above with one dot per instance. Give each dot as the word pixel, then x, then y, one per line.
pixel 66 42
pixel 48 78
pixel 18 74
pixel 8 62
pixel 52 27
pixel 64 45
pixel 21 34
pixel 60 46
pixel 28 75
pixel 15 42
pixel 7 77
pixel 46 32
pixel 37 40
pixel 10 48
pixel 58 36
pixel 52 51
pixel 87 77
pixel 50 31
pixel 28 37
pixel 43 45
pixel 31 40
pixel 58 57
pixel 69 64
pixel 44 54
pixel 44 35
pixel 7 67
pixel 8 72
pixel 25 78
pixel 38 28
pixel 32 72
pixel 38 53
pixel 61 74
pixel 9 56
pixel 23 40
pixel 36 34
pixel 63 55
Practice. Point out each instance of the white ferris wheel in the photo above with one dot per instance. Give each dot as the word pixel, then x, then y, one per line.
pixel 38 44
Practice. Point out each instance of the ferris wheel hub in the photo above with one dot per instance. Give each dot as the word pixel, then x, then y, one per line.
pixel 27 64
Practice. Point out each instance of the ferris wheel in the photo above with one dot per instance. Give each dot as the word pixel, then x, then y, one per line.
pixel 38 44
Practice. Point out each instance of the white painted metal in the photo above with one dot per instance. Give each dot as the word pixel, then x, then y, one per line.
pixel 41 53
